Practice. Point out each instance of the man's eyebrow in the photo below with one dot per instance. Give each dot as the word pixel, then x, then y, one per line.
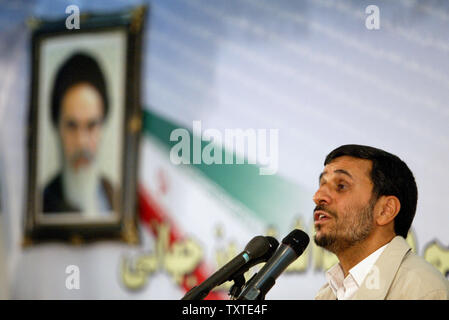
pixel 342 171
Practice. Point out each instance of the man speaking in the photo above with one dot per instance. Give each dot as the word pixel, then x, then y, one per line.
pixel 365 206
pixel 78 110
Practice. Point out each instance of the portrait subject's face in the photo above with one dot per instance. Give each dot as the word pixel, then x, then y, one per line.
pixel 344 207
pixel 80 125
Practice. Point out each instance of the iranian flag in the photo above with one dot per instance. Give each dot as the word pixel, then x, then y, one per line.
pixel 202 215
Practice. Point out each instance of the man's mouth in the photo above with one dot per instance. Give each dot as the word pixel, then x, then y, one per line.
pixel 81 162
pixel 81 159
pixel 320 216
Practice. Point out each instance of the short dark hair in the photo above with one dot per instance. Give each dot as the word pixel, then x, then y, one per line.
pixel 77 69
pixel 390 176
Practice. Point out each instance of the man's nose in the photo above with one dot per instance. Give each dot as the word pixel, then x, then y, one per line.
pixel 322 196
pixel 82 136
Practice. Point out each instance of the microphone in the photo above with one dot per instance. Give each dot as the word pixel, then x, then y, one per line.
pixel 273 244
pixel 239 279
pixel 257 247
pixel 293 245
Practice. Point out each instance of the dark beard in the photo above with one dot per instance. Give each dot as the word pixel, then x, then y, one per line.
pixel 358 232
pixel 327 242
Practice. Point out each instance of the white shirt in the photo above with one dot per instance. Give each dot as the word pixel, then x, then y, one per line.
pixel 345 288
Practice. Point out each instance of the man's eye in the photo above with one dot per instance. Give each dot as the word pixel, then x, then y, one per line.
pixel 341 186
pixel 71 125
pixel 92 125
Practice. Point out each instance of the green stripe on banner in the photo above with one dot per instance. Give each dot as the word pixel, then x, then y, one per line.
pixel 271 198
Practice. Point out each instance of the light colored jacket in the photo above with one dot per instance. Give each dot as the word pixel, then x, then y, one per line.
pixel 398 274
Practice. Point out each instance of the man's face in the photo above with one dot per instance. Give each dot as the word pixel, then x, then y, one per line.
pixel 344 207
pixel 80 125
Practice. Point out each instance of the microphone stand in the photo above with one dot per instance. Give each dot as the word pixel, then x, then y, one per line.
pixel 260 296
pixel 236 289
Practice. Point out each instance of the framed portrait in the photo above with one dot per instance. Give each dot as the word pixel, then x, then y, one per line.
pixel 84 128
pixel 2 195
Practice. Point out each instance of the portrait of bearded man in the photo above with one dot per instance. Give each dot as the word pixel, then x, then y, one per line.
pixel 79 108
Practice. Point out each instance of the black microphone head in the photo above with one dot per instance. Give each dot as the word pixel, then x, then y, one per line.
pixel 274 244
pixel 270 250
pixel 298 240
pixel 257 247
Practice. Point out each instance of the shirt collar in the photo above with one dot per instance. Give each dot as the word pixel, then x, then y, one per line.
pixel 335 276
pixel 361 270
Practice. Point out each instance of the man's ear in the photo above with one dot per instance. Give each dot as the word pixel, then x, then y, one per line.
pixel 388 208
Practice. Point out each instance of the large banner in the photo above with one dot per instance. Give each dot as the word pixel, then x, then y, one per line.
pixel 241 102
